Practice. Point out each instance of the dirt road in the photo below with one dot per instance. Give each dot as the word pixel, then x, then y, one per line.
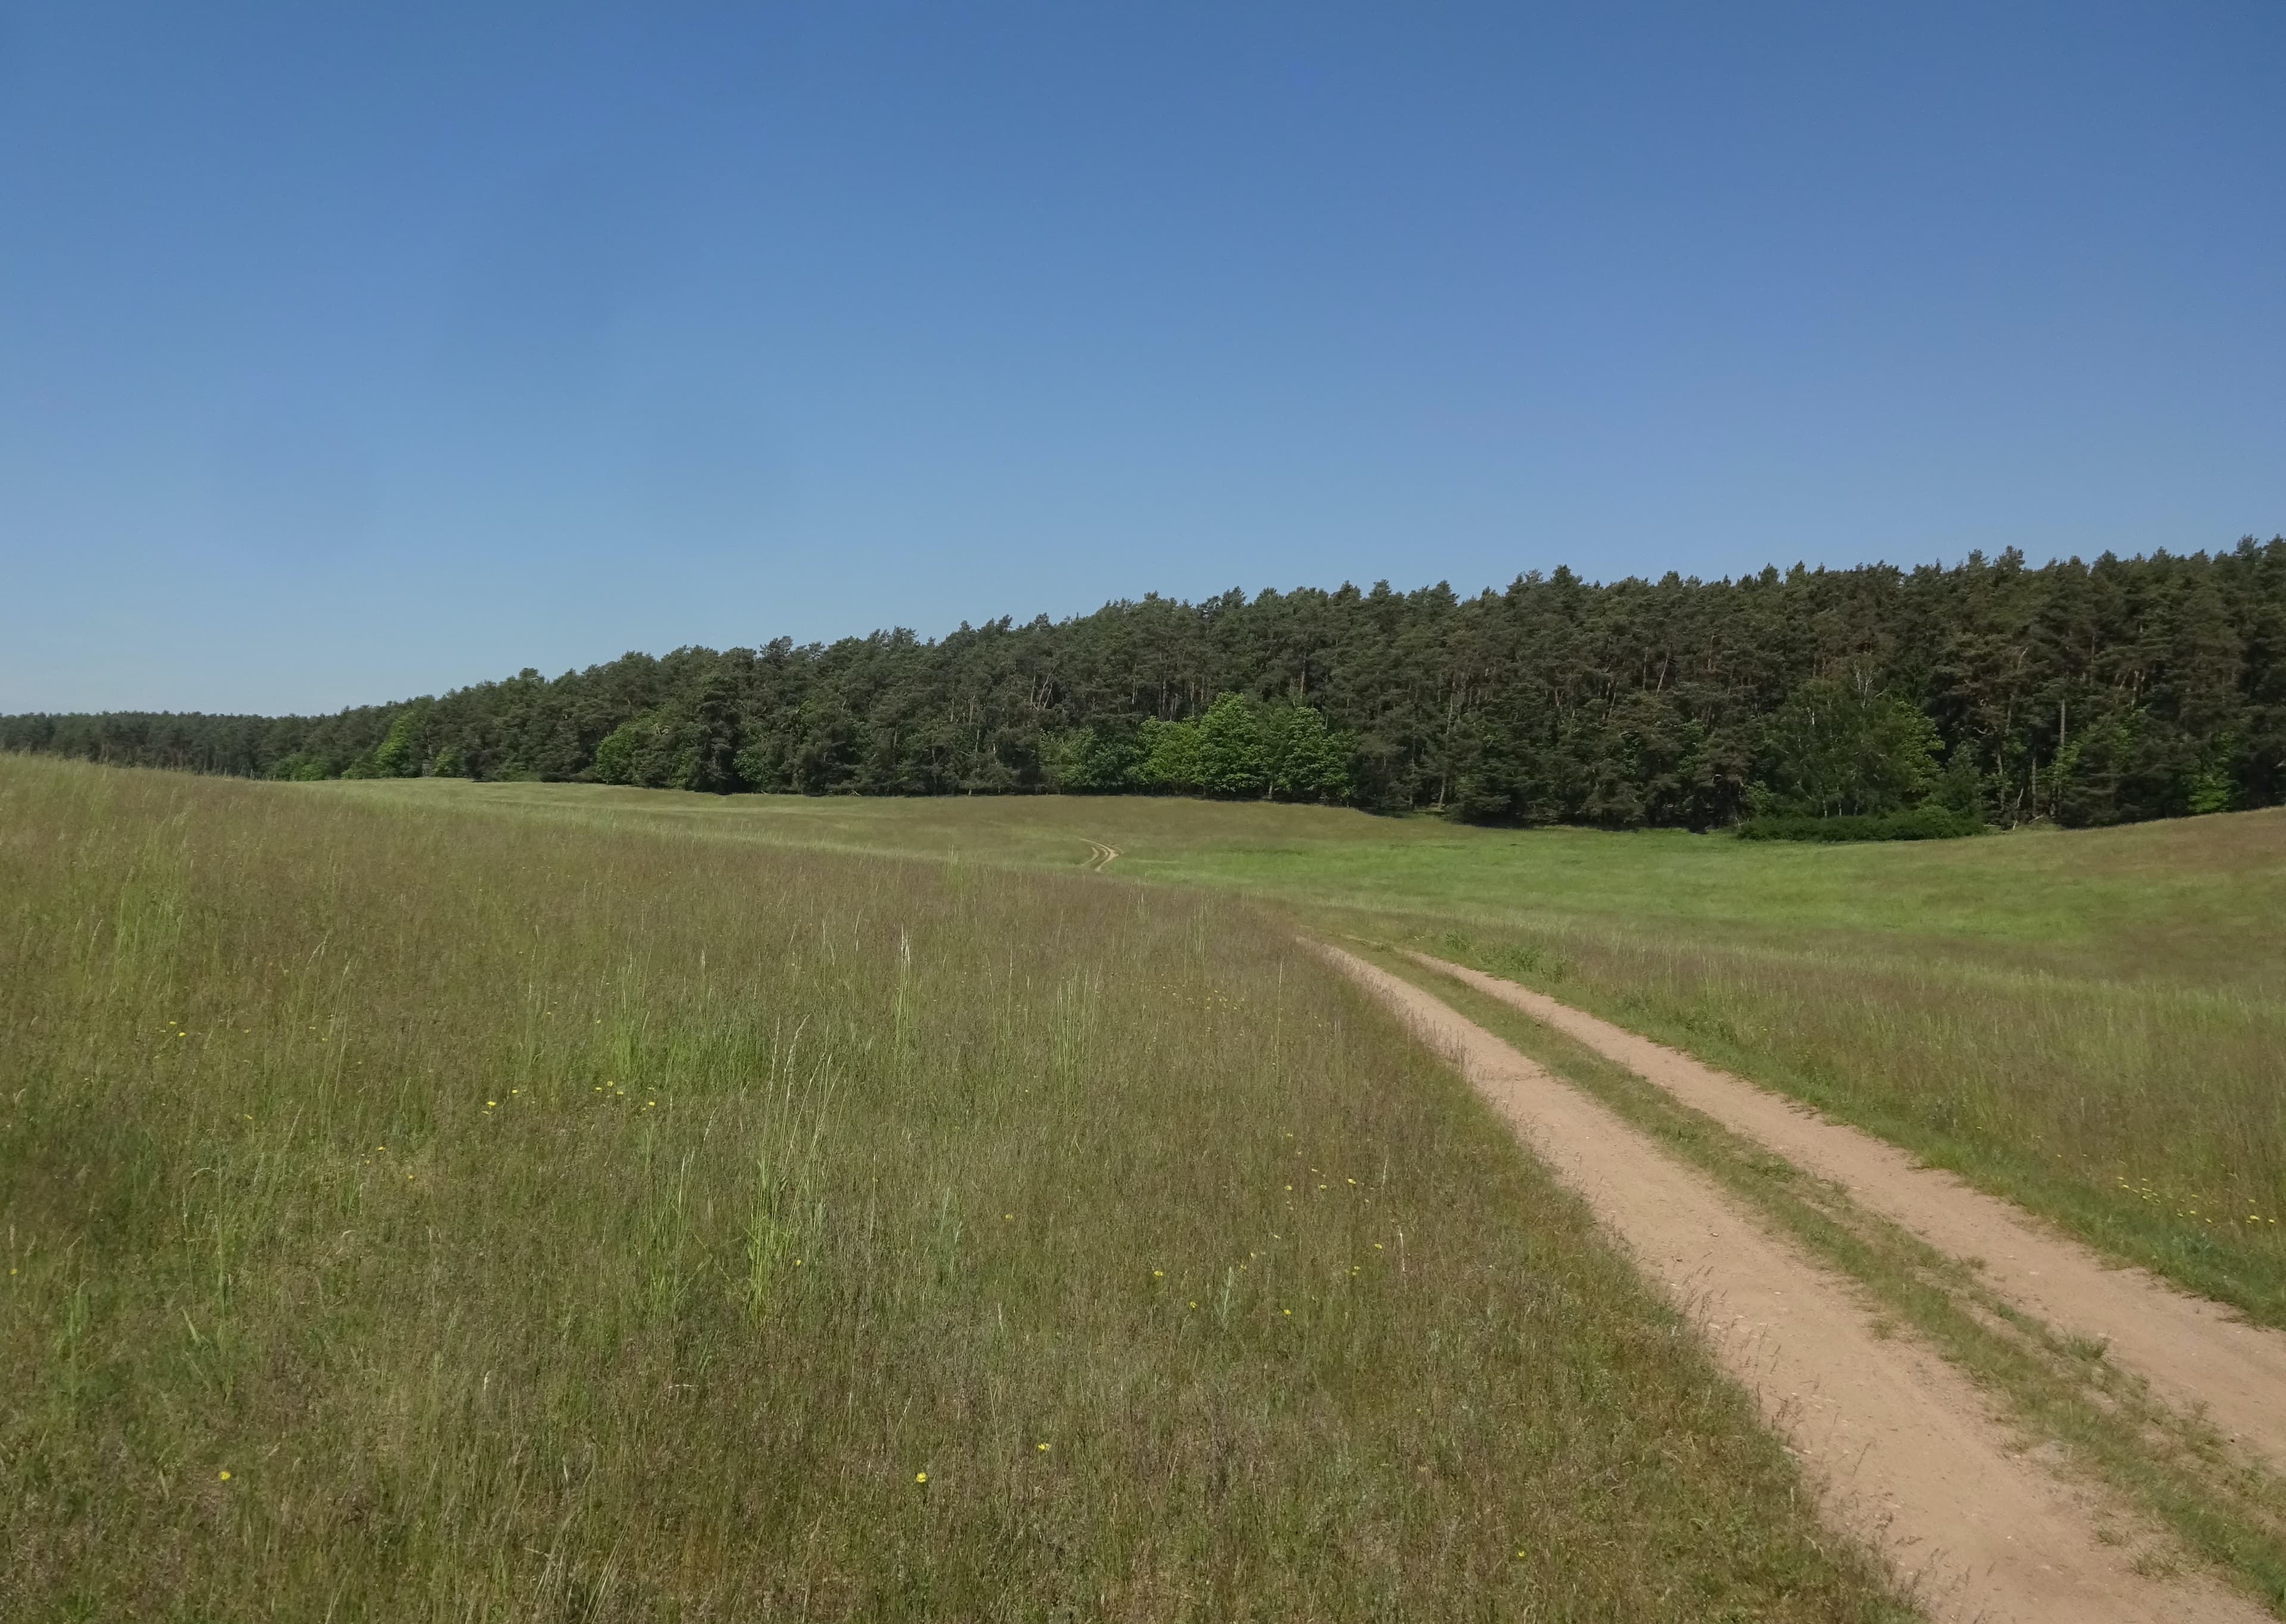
pixel 1907 1453
pixel 2193 1353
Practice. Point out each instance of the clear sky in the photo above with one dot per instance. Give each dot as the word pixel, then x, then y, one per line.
pixel 354 352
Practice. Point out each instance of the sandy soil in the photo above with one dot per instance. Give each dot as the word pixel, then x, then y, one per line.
pixel 1907 1453
pixel 2193 1353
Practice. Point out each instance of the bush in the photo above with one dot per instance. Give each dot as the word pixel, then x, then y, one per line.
pixel 1919 823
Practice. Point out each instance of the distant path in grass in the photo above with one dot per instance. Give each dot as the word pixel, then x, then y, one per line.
pixel 2193 1353
pixel 1105 855
pixel 1910 1456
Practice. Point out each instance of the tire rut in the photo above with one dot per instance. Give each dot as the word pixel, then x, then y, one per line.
pixel 2192 1353
pixel 1907 1453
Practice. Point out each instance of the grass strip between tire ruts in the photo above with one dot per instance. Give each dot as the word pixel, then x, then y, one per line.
pixel 2228 1511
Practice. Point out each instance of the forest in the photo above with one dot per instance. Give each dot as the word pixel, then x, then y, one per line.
pixel 1993 691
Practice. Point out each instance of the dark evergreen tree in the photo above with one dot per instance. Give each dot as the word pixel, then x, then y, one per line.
pixel 2087 693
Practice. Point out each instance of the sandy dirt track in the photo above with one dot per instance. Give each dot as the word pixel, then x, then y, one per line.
pixel 1907 1453
pixel 2193 1353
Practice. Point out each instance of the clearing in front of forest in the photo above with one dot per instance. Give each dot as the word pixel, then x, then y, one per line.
pixel 417 1214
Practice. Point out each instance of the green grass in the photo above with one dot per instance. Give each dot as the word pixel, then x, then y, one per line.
pixel 557 1211
pixel 2093 1023
pixel 2197 901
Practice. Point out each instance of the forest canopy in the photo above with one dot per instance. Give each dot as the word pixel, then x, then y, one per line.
pixel 2085 693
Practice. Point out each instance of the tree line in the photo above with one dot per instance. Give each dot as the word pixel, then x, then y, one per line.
pixel 2082 692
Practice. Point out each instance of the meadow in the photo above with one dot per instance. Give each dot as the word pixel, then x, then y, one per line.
pixel 431 1202
pixel 2092 1023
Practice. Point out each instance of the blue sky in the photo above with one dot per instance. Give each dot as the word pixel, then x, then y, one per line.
pixel 346 353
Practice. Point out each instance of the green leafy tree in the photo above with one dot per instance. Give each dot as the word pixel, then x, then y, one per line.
pixel 1839 747
pixel 1231 759
pixel 1305 758
pixel 2213 785
pixel 399 755
pixel 615 757
pixel 1084 762
pixel 653 750
pixel 1169 755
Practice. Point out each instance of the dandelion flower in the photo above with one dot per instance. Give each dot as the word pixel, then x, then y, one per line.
pixel 1158 1274
pixel 1043 1449
pixel 223 1476
pixel 921 1477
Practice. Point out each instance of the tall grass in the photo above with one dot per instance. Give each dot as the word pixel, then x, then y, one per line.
pixel 411 1215
pixel 2092 1023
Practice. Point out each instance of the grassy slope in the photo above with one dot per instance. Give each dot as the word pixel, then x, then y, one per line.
pixel 2092 1023
pixel 538 1220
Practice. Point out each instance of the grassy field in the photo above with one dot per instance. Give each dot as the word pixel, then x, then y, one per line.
pixel 2092 1023
pixel 574 1207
